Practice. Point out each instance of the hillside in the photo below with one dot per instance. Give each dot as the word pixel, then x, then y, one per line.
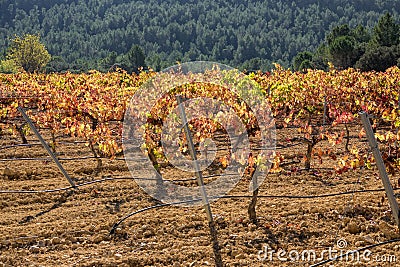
pixel 247 34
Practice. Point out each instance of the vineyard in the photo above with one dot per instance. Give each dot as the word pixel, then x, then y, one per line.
pixel 322 185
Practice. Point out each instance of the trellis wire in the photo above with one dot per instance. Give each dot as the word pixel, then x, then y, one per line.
pixel 241 196
pixel 102 157
pixel 227 196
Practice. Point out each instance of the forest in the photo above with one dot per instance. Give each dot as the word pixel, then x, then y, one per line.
pixel 98 34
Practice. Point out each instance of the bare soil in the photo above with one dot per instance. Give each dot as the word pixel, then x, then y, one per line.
pixel 68 228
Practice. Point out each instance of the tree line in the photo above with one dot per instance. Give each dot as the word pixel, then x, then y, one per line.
pixel 356 47
pixel 252 34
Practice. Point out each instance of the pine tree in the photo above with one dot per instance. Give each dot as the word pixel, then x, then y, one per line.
pixel 386 32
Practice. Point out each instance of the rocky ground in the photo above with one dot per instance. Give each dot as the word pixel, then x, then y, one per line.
pixel 68 228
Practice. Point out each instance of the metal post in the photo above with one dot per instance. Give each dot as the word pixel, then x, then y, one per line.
pixel 46 146
pixel 200 181
pixel 381 166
